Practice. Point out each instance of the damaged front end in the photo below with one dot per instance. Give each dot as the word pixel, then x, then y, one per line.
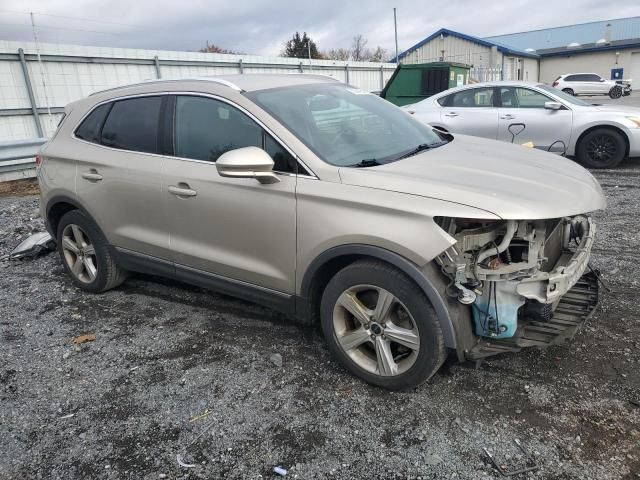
pixel 524 280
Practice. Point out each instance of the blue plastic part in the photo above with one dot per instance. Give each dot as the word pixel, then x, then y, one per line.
pixel 495 312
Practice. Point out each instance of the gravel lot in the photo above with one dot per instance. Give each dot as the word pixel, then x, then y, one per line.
pixel 176 370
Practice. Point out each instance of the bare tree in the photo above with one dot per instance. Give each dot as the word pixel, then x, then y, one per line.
pixel 342 54
pixel 213 48
pixel 378 55
pixel 359 49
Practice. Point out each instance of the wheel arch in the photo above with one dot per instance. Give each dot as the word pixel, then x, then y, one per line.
pixel 59 205
pixel 604 125
pixel 325 265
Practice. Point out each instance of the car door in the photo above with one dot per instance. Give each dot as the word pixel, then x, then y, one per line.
pixel 118 173
pixel 471 112
pixel 234 229
pixel 524 118
pixel 578 83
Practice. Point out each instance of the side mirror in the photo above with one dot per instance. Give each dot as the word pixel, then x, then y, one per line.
pixel 602 80
pixel 553 105
pixel 247 162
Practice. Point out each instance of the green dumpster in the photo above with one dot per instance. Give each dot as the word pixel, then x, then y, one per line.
pixel 415 82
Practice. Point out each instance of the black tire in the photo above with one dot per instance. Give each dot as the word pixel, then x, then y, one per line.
pixel 569 91
pixel 601 148
pixel 108 275
pixel 431 353
pixel 615 92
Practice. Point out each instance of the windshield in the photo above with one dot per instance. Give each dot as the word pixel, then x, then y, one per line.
pixel 564 96
pixel 345 126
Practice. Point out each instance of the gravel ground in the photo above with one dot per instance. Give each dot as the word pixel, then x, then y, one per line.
pixel 176 370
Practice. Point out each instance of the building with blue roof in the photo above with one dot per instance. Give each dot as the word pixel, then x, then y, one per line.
pixel 610 48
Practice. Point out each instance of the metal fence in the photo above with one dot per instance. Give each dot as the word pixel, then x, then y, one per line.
pixel 36 83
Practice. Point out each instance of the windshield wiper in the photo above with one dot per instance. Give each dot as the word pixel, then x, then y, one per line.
pixel 419 148
pixel 367 162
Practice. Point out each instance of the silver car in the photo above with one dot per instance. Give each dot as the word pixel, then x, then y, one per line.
pixel 599 136
pixel 331 205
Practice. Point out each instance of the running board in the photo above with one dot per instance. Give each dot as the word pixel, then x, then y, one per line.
pixel 573 309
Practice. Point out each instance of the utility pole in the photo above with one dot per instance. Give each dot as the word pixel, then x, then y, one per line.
pixel 44 84
pixel 309 50
pixel 395 27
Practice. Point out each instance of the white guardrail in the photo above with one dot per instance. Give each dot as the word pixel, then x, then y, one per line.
pixel 17 158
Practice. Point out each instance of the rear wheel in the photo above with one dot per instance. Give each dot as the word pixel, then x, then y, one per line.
pixel 381 326
pixel 85 254
pixel 601 148
pixel 569 91
pixel 615 92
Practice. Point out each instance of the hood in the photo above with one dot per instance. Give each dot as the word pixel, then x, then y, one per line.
pixel 625 110
pixel 511 181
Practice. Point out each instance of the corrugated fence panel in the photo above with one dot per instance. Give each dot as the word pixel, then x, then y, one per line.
pixel 71 72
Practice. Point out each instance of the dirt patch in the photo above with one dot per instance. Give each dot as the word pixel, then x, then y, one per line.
pixel 19 188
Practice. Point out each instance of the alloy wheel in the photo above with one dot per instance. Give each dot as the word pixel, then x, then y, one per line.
pixel 376 330
pixel 79 253
pixel 601 149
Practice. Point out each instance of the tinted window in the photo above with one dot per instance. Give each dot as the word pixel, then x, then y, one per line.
pixel 283 161
pixel 571 78
pixel 90 127
pixel 516 97
pixel 475 97
pixel 207 128
pixel 592 78
pixel 132 124
pixel 444 100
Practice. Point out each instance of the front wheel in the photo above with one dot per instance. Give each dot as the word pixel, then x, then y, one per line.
pixel 615 92
pixel 601 148
pixel 381 327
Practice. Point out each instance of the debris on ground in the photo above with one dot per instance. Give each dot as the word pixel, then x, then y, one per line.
pixel 80 339
pixel 183 464
pixel 276 359
pixel 34 245
pixel 280 471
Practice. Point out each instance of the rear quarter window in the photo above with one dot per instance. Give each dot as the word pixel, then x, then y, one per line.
pixel 443 101
pixel 90 128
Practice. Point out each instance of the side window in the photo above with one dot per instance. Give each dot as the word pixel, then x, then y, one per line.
pixel 132 124
pixel 90 127
pixel 207 128
pixel 530 99
pixel 593 78
pixel 444 101
pixel 475 97
pixel 571 78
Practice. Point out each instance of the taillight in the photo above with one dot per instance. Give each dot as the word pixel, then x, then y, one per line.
pixel 38 160
pixel 554 84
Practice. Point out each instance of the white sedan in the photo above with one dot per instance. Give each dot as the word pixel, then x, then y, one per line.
pixel 600 136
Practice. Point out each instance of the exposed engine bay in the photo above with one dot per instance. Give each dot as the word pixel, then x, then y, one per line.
pixel 511 271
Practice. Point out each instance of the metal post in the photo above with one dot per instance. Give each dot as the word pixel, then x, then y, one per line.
pixel 32 98
pixel 346 71
pixel 240 66
pixel 300 66
pixel 381 77
pixel 156 61
pixel 395 27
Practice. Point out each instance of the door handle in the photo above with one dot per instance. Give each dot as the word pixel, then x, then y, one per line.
pixel 451 114
pixel 508 116
pixel 182 190
pixel 92 175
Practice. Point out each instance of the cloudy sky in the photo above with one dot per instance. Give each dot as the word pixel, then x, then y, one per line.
pixel 262 26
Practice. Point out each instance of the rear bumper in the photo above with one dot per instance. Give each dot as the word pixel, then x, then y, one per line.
pixel 634 142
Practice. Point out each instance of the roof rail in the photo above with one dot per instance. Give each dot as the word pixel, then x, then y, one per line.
pixel 194 79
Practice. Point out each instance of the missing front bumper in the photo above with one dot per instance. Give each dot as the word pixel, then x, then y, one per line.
pixel 573 309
